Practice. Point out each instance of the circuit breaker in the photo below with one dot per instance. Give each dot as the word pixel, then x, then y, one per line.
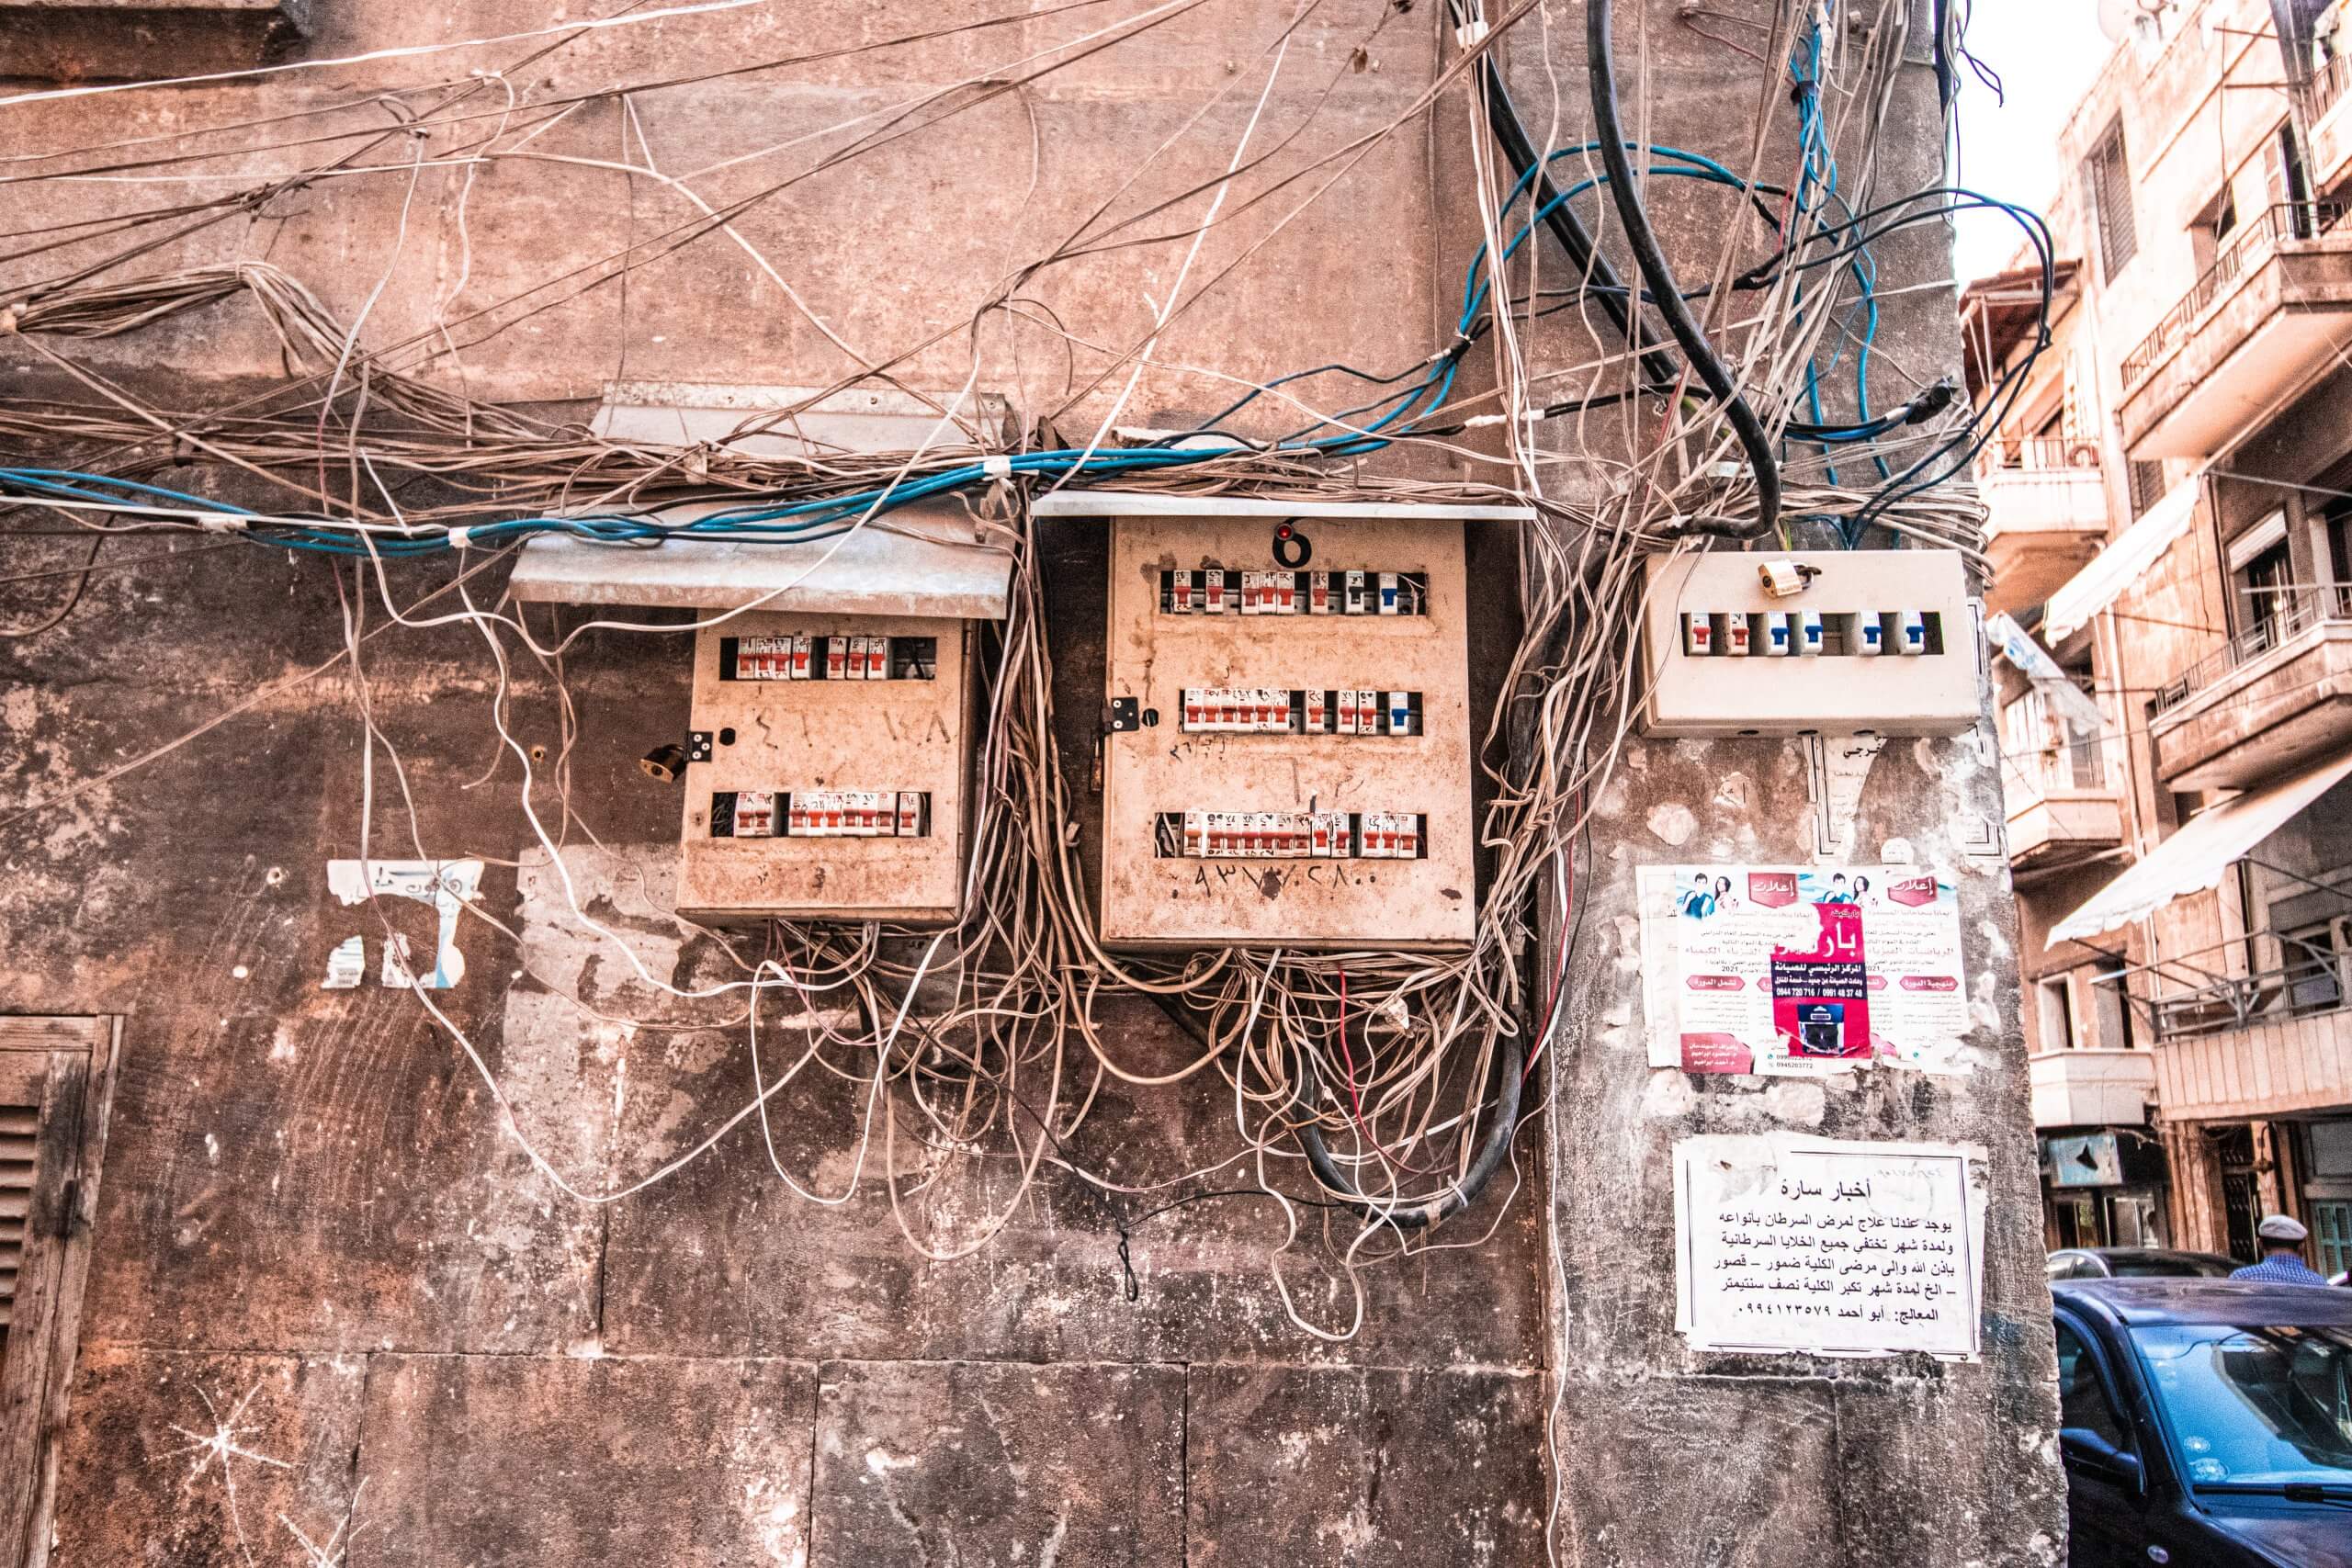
pixel 1836 642
pixel 1288 756
pixel 826 767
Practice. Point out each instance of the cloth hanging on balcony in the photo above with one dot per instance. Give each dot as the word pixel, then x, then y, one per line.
pixel 2193 859
pixel 2033 661
pixel 2129 555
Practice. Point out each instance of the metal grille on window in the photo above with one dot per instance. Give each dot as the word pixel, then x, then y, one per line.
pixel 2147 482
pixel 2107 184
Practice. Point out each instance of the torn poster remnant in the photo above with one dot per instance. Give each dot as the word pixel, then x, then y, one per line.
pixel 447 885
pixel 346 965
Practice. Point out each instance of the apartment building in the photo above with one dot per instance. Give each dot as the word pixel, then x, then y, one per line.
pixel 2171 500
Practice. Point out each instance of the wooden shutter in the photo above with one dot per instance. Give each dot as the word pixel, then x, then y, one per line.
pixel 56 1080
pixel 2107 186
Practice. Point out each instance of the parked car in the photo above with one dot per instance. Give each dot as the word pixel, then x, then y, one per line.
pixel 2136 1263
pixel 2206 1423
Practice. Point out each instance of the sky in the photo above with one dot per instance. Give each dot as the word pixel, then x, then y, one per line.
pixel 2045 53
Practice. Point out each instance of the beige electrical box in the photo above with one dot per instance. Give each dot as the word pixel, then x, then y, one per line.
pixel 827 762
pixel 1289 755
pixel 826 775
pixel 1834 642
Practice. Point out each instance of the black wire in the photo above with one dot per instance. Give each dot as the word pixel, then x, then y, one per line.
pixel 1511 138
pixel 1600 69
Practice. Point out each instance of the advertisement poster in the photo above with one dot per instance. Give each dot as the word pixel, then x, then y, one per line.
pixel 1828 1247
pixel 1790 970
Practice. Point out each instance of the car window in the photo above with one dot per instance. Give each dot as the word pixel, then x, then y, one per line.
pixel 2066 1266
pixel 2255 1406
pixel 2081 1399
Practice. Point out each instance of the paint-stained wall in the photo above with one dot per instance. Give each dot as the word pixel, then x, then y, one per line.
pixel 336 1309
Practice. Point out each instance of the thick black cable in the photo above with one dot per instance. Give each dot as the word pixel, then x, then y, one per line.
pixel 1511 137
pixel 1600 69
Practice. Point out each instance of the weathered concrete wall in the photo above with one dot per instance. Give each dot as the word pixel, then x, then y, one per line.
pixel 316 1244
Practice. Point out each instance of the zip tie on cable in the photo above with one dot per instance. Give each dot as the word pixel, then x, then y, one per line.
pixel 999 467
pixel 220 522
pixel 1470 35
pixel 460 539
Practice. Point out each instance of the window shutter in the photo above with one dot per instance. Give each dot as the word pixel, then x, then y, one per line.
pixel 2108 177
pixel 23 1082
pixel 56 1080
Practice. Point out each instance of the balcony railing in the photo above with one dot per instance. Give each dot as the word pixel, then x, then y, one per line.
pixel 2076 767
pixel 2280 615
pixel 2037 454
pixel 2247 249
pixel 2328 83
pixel 2314 978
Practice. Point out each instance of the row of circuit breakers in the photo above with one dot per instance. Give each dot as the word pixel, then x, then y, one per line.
pixel 1288 753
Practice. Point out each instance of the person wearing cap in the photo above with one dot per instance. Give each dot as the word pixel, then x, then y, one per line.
pixel 2282 1255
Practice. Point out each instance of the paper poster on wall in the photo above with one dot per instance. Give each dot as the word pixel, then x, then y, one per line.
pixel 1785 1243
pixel 1801 970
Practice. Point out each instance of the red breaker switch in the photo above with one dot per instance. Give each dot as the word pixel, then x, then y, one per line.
pixel 836 659
pixel 1314 711
pixel 1286 592
pixel 1180 592
pixel 1698 636
pixel 1367 713
pixel 1319 593
pixel 878 659
pixel 1215 590
pixel 804 648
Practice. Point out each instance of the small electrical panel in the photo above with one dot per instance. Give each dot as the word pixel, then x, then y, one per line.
pixel 1838 642
pixel 1287 759
pixel 826 779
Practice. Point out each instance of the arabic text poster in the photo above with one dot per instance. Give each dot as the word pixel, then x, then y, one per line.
pixel 1790 970
pixel 1827 1247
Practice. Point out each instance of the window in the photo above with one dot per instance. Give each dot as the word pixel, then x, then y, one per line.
pixel 2289 180
pixel 2107 194
pixel 2331 1235
pixel 2315 967
pixel 56 1079
pixel 2057 1014
pixel 2264 585
pixel 2212 229
pixel 2111 1007
pixel 2147 487
pixel 2082 1398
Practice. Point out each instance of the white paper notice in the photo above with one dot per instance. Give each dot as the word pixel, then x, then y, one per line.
pixel 1814 1244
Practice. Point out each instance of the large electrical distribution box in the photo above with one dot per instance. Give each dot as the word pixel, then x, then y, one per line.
pixel 829 732
pixel 1287 760
pixel 1834 642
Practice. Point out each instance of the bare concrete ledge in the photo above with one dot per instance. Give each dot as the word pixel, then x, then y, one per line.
pixel 115 40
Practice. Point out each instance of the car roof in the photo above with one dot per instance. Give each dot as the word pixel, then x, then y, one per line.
pixel 2240 1303
pixel 2149 1252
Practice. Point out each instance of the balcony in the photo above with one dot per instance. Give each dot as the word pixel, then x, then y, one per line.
pixel 2063 808
pixel 2091 1089
pixel 2270 1042
pixel 2261 322
pixel 2276 696
pixel 2048 505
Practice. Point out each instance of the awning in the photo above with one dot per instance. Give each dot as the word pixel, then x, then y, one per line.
pixel 2094 588
pixel 925 560
pixel 2193 859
